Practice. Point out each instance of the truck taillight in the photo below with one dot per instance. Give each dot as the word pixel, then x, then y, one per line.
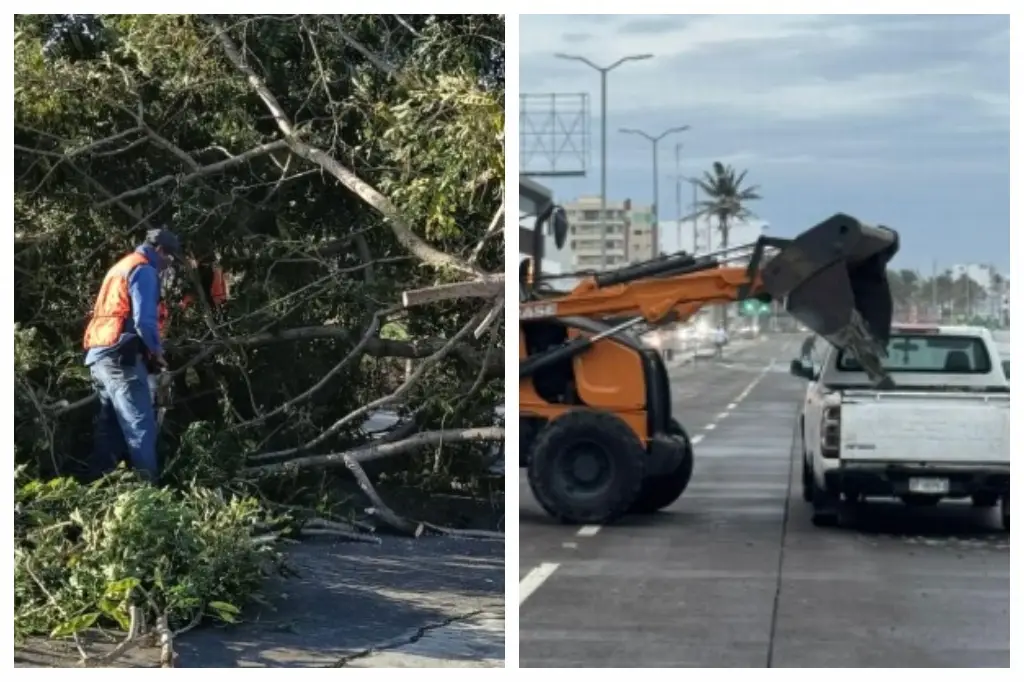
pixel 830 432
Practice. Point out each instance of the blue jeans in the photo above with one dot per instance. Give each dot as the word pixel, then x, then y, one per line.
pixel 126 417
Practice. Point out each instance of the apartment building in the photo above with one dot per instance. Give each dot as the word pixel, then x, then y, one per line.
pixel 625 232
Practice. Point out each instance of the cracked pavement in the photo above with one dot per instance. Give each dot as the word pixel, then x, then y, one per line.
pixel 429 602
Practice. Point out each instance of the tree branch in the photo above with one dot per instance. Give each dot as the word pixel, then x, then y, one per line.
pixel 401 230
pixel 434 358
pixel 490 288
pixel 369 453
pixel 200 172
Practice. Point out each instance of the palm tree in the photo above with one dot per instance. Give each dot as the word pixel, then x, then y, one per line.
pixel 725 201
pixel 726 197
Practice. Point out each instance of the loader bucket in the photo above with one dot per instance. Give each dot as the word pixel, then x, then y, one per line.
pixel 832 279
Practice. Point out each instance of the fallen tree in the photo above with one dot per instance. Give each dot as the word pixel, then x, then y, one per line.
pixel 346 174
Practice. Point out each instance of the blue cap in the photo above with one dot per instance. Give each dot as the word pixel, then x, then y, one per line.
pixel 165 239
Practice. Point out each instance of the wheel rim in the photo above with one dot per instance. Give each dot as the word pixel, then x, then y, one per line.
pixel 584 470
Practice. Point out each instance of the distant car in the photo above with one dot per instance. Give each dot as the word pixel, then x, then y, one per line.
pixel 747 331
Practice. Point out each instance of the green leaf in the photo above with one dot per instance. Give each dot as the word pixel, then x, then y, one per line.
pixel 113 611
pixel 121 588
pixel 226 612
pixel 75 625
pixel 224 606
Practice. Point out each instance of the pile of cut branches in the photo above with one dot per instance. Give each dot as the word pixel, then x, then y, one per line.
pixel 121 555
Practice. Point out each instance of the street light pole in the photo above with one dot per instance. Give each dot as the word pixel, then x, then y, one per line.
pixel 679 201
pixel 603 70
pixel 654 140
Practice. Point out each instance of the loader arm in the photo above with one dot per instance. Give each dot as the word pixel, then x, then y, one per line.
pixel 656 300
pixel 832 278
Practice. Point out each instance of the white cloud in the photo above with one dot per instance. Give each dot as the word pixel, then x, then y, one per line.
pixel 706 63
pixel 539 34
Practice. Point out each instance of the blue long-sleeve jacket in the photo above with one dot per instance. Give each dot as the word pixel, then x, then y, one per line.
pixel 144 289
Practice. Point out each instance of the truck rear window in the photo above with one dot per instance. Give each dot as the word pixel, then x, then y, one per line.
pixel 929 354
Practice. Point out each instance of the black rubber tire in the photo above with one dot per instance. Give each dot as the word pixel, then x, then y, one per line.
pixel 1005 512
pixel 985 500
pixel 659 492
pixel 807 481
pixel 825 507
pixel 605 436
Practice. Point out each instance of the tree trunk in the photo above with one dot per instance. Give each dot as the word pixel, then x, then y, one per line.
pixel 723 310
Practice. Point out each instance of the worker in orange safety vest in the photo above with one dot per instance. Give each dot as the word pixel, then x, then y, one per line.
pixel 121 341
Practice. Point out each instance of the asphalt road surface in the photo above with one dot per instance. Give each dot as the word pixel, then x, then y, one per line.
pixel 735 575
pixel 430 602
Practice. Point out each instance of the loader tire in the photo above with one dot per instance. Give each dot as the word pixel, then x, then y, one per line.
pixel 586 467
pixel 659 492
pixel 1005 512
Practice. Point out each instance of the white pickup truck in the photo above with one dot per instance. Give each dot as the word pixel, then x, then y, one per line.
pixel 942 432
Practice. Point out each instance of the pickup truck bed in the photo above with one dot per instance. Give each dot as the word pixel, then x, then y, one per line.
pixel 917 427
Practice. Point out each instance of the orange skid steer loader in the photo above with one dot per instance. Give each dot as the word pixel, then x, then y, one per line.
pixel 597 434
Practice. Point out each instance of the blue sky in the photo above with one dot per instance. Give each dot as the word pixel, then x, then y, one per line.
pixel 899 120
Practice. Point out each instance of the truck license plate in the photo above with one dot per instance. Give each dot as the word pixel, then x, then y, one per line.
pixel 929 486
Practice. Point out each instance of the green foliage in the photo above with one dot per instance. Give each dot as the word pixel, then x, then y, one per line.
pixel 726 197
pixel 130 105
pixel 84 554
pixel 128 121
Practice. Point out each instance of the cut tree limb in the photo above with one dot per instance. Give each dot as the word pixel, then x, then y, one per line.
pixel 379 451
pixel 491 287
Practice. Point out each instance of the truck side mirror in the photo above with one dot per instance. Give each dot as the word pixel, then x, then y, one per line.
pixel 559 222
pixel 800 370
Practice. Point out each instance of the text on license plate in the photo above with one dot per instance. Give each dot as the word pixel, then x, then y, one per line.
pixel 930 486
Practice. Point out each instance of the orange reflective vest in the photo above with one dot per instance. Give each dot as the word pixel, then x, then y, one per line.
pixel 113 304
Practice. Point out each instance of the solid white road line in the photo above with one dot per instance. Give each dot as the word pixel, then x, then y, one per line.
pixel 534 579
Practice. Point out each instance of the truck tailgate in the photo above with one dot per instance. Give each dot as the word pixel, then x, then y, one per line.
pixel 933 428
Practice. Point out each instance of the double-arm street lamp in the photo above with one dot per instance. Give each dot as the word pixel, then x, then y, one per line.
pixel 654 140
pixel 603 70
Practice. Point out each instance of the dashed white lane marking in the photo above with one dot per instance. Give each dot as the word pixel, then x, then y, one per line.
pixel 591 531
pixel 534 579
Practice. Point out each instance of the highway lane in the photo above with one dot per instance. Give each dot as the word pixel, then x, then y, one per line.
pixel 735 575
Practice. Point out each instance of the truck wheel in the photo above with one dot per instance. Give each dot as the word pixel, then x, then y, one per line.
pixel 825 507
pixel 1006 512
pixel 659 492
pixel 586 467
pixel 807 481
pixel 985 500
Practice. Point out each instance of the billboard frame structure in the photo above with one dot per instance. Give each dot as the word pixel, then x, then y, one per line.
pixel 554 134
